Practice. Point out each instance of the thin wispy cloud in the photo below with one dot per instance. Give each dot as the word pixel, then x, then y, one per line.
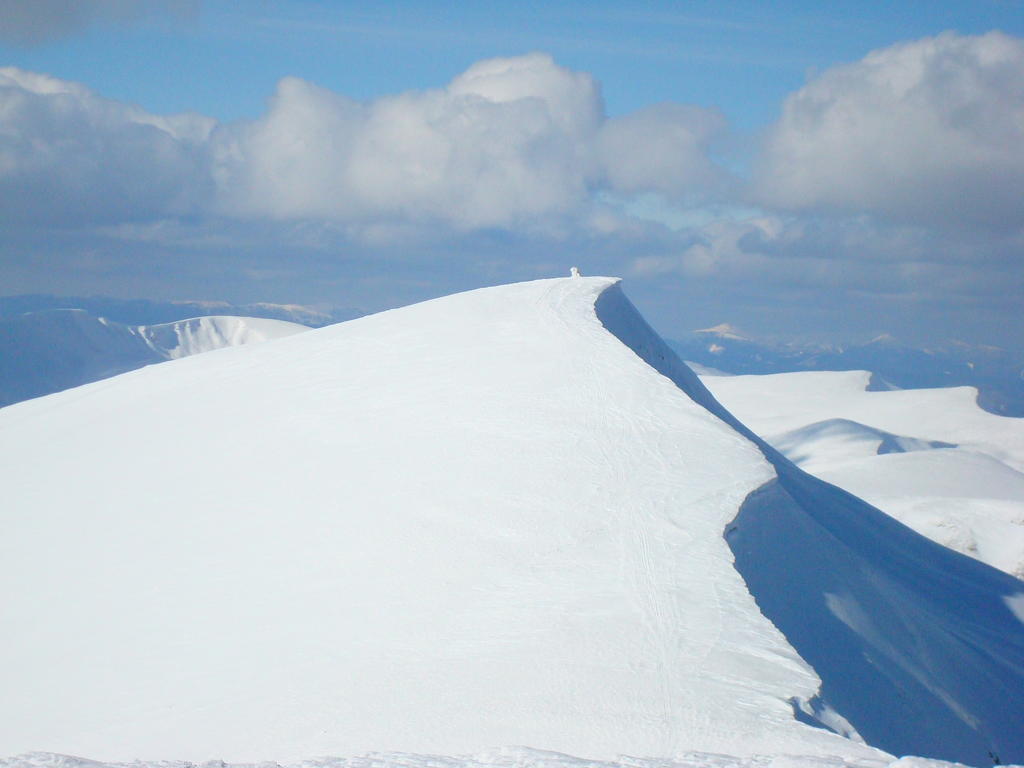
pixel 599 38
pixel 34 22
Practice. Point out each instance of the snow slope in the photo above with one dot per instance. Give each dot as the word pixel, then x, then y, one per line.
pixel 779 402
pixel 947 468
pixel 491 519
pixel 44 352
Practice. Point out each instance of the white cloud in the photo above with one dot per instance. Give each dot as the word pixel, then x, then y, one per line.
pixel 30 22
pixel 572 99
pixel 508 142
pixel 504 142
pixel 516 142
pixel 728 247
pixel 662 148
pixel 68 156
pixel 513 170
pixel 929 131
pixel 846 272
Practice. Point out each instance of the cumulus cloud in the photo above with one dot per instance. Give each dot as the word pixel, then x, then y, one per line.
pixel 68 156
pixel 510 142
pixel 31 22
pixel 930 131
pixel 663 148
pixel 719 247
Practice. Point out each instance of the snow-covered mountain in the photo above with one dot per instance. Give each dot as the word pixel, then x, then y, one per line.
pixel 44 352
pixel 205 334
pixel 151 312
pixel 929 457
pixel 998 374
pixel 506 517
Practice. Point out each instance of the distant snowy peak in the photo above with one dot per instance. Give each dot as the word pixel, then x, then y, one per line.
pixel 53 350
pixel 205 334
pixel 292 313
pixel 996 373
pixel 886 339
pixel 724 331
pixel 136 312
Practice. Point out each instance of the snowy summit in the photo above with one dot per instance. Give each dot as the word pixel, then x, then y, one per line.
pixel 505 517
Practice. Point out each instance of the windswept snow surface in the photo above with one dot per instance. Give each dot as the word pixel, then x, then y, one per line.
pixel 931 458
pixel 775 403
pixel 480 521
pixel 44 352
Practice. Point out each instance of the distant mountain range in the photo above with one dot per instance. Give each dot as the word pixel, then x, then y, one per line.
pixel 146 312
pixel 51 343
pixel 53 350
pixel 995 372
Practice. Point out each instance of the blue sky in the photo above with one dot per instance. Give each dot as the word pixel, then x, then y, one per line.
pixel 790 180
pixel 223 58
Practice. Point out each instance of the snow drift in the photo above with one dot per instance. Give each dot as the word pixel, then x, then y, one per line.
pixel 491 519
pixel 956 478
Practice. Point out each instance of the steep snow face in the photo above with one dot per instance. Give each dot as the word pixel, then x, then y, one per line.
pixel 491 519
pixel 473 522
pixel 918 648
pixel 844 625
pixel 44 352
